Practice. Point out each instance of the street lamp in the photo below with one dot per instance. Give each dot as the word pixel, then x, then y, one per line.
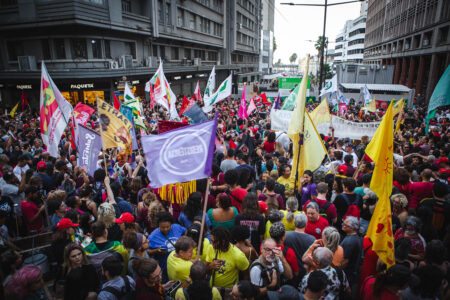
pixel 325 5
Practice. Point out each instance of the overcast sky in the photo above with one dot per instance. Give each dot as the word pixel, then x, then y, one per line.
pixel 296 24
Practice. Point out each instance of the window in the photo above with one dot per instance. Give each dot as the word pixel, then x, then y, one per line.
pixel 60 48
pixel 130 49
pixel 79 48
pixel 15 48
pixel 99 2
pixel 162 50
pixel 7 2
pixel 187 53
pixel 96 48
pixel 199 54
pixel 45 49
pixel 192 21
pixel 217 29
pixel 174 55
pixel 443 34
pixel 180 17
pixel 212 55
pixel 167 14
pixel 107 49
pixel 155 50
pixel 126 5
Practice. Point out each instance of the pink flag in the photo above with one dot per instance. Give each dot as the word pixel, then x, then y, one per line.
pixel 242 113
pixel 82 113
pixel 197 93
pixel 342 108
pixel 251 107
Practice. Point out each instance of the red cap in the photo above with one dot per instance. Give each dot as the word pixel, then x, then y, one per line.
pixel 263 207
pixel 442 160
pixel 41 165
pixel 342 169
pixel 65 223
pixel 125 218
pixel 444 171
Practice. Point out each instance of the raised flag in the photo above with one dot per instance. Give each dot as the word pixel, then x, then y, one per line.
pixel 366 95
pixel 54 113
pixel 289 102
pixel 330 86
pixel 82 113
pixel 251 107
pixel 440 96
pixel 343 108
pixel 127 93
pixel 296 123
pixel 398 109
pixel 371 106
pixel 222 92
pixel 163 94
pixel 180 155
pixel 197 93
pixel 277 102
pixel 264 99
pixel 89 145
pixel 321 114
pixel 195 113
pixel 380 150
pixel 116 101
pixel 115 127
pixel 184 105
pixel 128 113
pixel 12 113
pixel 210 85
pixel 242 112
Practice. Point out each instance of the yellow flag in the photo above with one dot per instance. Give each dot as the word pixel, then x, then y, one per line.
pixel 398 109
pixel 313 151
pixel 398 106
pixel 321 114
pixel 115 127
pixel 380 150
pixel 371 106
pixel 297 118
pixel 13 110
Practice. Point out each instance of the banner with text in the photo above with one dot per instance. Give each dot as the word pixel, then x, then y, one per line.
pixel 89 145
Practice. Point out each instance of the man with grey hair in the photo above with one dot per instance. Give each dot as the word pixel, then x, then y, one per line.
pixel 299 241
pixel 352 245
pixel 325 207
pixel 323 257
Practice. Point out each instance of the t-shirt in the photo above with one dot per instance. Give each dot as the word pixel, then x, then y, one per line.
pixel 367 291
pixel 289 226
pixel 331 210
pixel 233 260
pixel 228 164
pixel 315 228
pixel 179 295
pixel 178 268
pixel 419 191
pixel 288 183
pixel 352 245
pixel 256 226
pixel 255 272
pixel 19 170
pixel 440 213
pixel 186 223
pixel 308 191
pixel 279 199
pixel 342 203
pixel 299 242
pixel 29 210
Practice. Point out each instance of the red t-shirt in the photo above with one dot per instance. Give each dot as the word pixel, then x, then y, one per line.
pixel 367 292
pixel 369 263
pixel 331 210
pixel 269 147
pixel 29 210
pixel 419 191
pixel 237 196
pixel 291 258
pixel 315 228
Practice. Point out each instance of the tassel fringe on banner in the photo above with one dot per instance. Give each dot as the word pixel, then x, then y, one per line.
pixel 177 192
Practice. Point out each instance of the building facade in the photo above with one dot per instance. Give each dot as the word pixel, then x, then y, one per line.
pixel 349 43
pixel 91 46
pixel 267 37
pixel 414 37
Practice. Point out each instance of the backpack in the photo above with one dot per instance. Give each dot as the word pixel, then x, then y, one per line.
pixel 323 211
pixel 272 201
pixel 353 208
pixel 126 293
pixel 264 276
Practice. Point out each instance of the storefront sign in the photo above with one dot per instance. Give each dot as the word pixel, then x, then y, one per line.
pixel 24 87
pixel 80 86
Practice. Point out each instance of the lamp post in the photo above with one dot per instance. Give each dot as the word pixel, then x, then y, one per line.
pixel 325 5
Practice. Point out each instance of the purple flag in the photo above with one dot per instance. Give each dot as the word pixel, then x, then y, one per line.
pixel 89 145
pixel 277 102
pixel 180 155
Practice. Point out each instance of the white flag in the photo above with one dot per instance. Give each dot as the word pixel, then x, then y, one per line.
pixel 127 93
pixel 164 95
pixel 366 95
pixel 251 107
pixel 210 85
pixel 330 86
pixel 222 92
pixel 55 112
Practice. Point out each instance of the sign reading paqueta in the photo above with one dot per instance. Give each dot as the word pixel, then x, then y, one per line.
pixel 180 155
pixel 89 145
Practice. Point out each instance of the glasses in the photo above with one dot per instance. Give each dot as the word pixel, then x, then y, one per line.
pixel 269 249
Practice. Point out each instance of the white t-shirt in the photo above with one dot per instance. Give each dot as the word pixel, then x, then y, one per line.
pixel 19 170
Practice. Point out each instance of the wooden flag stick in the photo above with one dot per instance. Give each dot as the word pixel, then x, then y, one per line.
pixel 205 204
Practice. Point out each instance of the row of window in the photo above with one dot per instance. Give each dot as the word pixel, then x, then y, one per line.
pixel 247 4
pixel 245 39
pixel 358 41
pixel 217 5
pixel 357 31
pixel 177 53
pixel 356 51
pixel 245 22
pixel 240 58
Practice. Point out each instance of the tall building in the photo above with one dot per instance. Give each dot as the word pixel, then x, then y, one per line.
pixel 266 51
pixel 90 46
pixel 349 45
pixel 414 37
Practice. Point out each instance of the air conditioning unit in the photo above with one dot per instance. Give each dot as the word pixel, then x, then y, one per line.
pixel 239 25
pixel 126 61
pixel 151 61
pixel 27 63
pixel 197 61
pixel 113 64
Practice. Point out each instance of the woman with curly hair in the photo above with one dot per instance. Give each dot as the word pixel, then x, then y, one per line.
pixel 400 207
pixel 192 209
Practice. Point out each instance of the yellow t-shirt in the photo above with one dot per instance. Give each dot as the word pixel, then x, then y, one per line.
pixel 289 226
pixel 178 268
pixel 234 260
pixel 266 232
pixel 206 245
pixel 215 294
pixel 288 183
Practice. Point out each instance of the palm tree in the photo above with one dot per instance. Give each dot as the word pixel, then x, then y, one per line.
pixel 320 44
pixel 293 58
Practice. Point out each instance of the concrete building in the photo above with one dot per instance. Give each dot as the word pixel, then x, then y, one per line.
pixel 349 45
pixel 90 45
pixel 414 37
pixel 266 51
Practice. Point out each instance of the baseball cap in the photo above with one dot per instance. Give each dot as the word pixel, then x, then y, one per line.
pixel 342 169
pixel 41 165
pixel 126 217
pixel 65 223
pixel 263 207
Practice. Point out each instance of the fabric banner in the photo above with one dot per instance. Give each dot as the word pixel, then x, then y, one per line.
pixel 343 128
pixel 196 114
pixel 164 126
pixel 116 128
pixel 128 113
pixel 89 145
pixel 82 113
pixel 180 155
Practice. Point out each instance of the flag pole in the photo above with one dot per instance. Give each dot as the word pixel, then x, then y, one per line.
pixel 101 136
pixel 300 144
pixel 205 204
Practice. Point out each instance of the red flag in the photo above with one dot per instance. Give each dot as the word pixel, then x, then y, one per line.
pixel 82 113
pixel 264 99
pixel 72 124
pixel 185 105
pixel 152 96
pixel 24 100
pixel 116 101
pixel 197 93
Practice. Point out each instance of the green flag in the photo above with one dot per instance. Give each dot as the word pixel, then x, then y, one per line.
pixel 440 96
pixel 289 102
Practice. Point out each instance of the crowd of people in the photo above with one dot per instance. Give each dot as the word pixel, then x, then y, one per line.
pixel 264 235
